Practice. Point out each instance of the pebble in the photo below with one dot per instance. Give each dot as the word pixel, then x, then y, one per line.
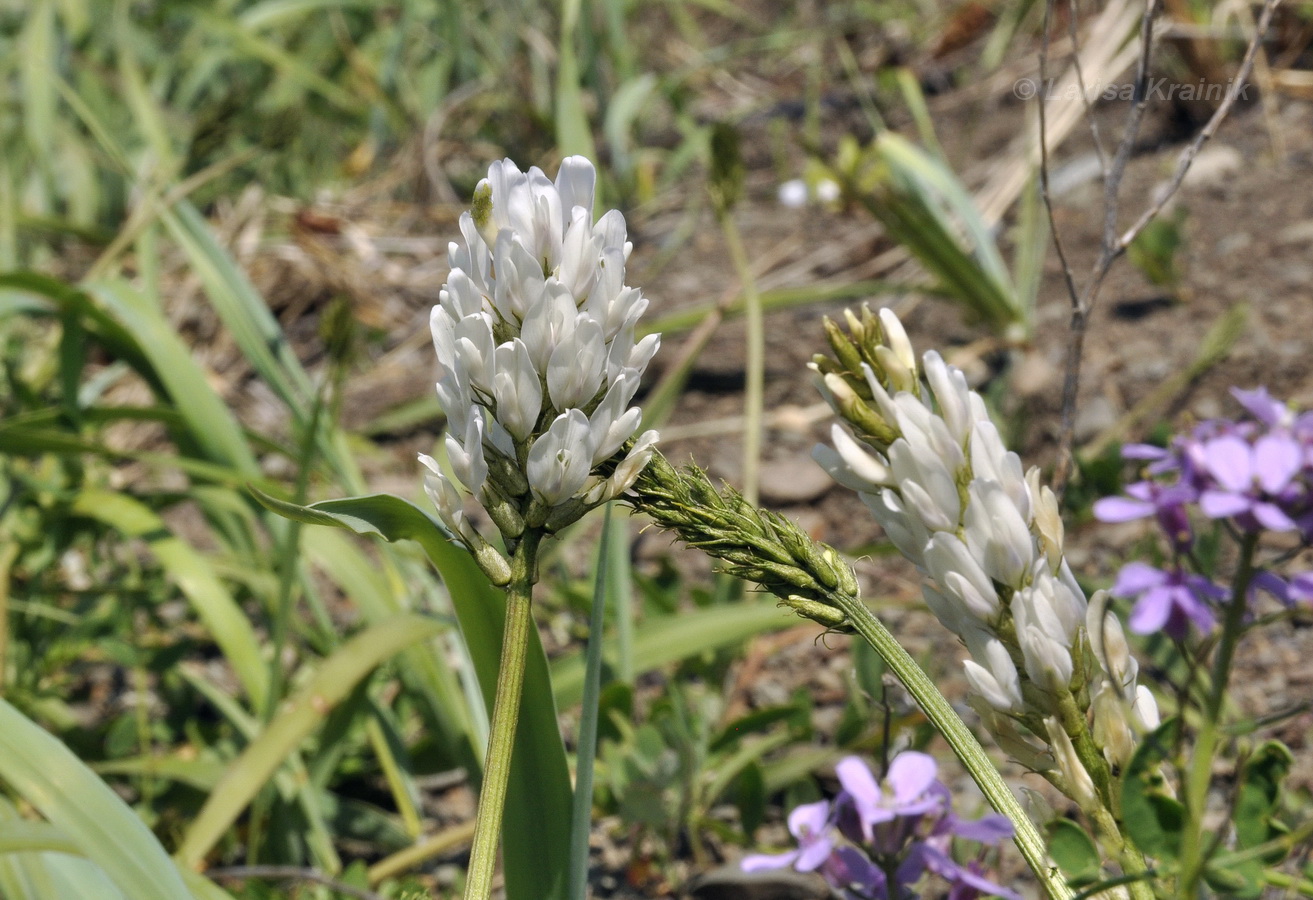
pixel 1213 166
pixel 1298 233
pixel 1034 375
pixel 732 883
pixel 1096 416
pixel 793 479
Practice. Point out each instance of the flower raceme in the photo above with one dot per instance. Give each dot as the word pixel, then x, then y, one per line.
pixel 538 361
pixel 875 841
pixel 932 468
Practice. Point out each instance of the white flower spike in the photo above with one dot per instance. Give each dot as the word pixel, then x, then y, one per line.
pixel 537 356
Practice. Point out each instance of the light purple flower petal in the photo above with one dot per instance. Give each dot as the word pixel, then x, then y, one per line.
pixel 1143 451
pixel 1122 509
pixel 1221 504
pixel 1272 584
pixel 849 868
pixel 759 862
pixel 1262 405
pixel 1300 589
pixel 1136 578
pixel 809 819
pixel 1277 458
pixel 1273 517
pixel 1151 612
pixel 910 775
pixel 1231 462
pixel 813 854
pixel 858 781
pixel 990 829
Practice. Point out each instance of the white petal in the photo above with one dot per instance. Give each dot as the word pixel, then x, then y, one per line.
pixel 560 459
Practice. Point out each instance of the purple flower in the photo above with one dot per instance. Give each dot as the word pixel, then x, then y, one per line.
pixel 903 826
pixel 1252 482
pixel 1300 588
pixel 851 872
pixel 1263 407
pixel 967 882
pixel 811 825
pixel 910 792
pixel 1149 498
pixel 1167 601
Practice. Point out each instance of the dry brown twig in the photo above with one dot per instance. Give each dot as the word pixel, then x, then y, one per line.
pixel 1112 244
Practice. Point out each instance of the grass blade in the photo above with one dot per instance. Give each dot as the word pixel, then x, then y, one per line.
pixel 581 818
pixel 47 775
pixel 297 719
pixel 191 571
pixel 677 637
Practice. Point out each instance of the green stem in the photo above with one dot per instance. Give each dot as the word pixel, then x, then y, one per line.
pixel 505 715
pixel 1027 837
pixel 755 365
pixel 1201 765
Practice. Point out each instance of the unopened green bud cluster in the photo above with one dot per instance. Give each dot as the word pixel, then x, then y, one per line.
pixel 756 545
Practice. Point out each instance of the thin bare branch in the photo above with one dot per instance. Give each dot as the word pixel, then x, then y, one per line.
pixel 1114 245
pixel 1080 312
pixel 1044 191
pixel 1072 32
pixel 1187 157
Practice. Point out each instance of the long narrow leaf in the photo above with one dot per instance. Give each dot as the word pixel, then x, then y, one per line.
pixel 191 571
pixel 296 720
pixel 535 857
pixel 47 775
pixel 582 815
pixel 677 637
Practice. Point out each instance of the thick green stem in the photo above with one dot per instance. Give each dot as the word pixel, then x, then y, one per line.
pixel 981 768
pixel 505 715
pixel 1200 772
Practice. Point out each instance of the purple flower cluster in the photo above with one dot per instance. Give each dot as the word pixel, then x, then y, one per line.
pixel 874 842
pixel 1255 473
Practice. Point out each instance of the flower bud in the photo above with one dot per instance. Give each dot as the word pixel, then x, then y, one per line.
pixel 1079 785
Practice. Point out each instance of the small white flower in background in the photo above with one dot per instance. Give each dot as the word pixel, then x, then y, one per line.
pixel 796 193
pixel 793 193
pixel 538 360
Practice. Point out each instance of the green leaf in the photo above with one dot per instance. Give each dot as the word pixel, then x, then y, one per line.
pixel 1075 852
pixel 195 578
pixel 1257 801
pixel 297 718
pixel 47 775
pixel 586 752
pixel 677 637
pixel 535 858
pixel 210 422
pixel 1152 818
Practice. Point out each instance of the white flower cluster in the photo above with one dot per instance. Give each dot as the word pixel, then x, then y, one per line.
pixel 933 469
pixel 534 332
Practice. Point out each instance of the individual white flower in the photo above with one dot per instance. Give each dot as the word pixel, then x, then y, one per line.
pixel 996 533
pixel 560 460
pixel 1144 710
pixel 950 563
pixel 895 338
pixel 1108 643
pixel 995 676
pixel 1111 728
pixel 1080 786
